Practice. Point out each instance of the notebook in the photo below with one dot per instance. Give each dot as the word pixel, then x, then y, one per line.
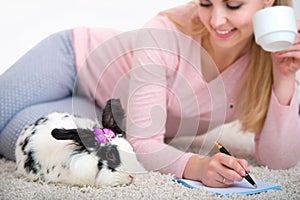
pixel 242 187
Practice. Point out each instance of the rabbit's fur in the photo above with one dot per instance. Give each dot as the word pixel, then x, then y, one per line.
pixel 61 147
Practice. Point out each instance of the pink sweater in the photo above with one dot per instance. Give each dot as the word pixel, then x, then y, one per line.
pixel 156 72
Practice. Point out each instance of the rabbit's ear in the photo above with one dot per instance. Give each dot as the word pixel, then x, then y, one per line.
pixel 83 137
pixel 113 116
pixel 66 134
pixel 110 154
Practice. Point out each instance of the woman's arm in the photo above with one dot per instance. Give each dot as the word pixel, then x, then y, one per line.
pixel 277 146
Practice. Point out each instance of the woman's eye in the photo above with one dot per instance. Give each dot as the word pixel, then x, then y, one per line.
pixel 205 3
pixel 233 6
pixel 229 5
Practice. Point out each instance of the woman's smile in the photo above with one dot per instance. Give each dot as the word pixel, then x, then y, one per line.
pixel 224 34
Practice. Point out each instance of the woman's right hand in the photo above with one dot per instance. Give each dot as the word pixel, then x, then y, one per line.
pixel 220 170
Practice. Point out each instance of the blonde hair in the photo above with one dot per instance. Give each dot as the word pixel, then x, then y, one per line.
pixel 257 87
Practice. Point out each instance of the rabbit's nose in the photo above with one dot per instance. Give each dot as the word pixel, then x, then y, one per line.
pixel 131 178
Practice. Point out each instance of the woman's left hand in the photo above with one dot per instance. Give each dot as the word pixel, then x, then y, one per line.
pixel 288 61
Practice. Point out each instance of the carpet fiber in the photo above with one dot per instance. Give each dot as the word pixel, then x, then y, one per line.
pixel 152 185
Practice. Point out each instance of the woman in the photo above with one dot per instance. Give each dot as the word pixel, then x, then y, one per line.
pixel 169 86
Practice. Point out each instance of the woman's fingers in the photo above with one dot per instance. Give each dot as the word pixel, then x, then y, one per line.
pixel 231 169
pixel 221 181
pixel 222 170
pixel 237 169
pixel 244 164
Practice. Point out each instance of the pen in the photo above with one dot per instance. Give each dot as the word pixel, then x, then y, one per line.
pixel 247 177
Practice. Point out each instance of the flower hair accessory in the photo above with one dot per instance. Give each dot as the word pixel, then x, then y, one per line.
pixel 104 135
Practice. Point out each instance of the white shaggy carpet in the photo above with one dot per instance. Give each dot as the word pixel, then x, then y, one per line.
pixel 153 185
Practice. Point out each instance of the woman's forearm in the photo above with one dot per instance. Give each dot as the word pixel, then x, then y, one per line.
pixel 277 146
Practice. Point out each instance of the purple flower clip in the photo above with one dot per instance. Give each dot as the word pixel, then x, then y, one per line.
pixel 104 135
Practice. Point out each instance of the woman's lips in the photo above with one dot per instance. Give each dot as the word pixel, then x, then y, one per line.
pixel 224 34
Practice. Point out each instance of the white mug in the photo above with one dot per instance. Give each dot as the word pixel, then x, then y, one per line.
pixel 275 28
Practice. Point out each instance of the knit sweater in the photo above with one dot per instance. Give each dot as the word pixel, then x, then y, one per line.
pixel 159 73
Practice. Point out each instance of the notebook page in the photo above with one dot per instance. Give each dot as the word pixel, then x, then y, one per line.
pixel 242 187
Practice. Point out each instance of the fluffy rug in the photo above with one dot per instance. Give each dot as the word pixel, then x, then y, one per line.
pixel 154 185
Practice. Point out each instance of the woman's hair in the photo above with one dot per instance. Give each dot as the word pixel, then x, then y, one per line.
pixel 257 88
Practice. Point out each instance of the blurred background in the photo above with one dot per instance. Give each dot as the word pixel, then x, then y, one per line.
pixel 25 23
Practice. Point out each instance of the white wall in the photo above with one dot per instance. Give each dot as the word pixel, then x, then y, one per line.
pixel 25 22
pixel 296 6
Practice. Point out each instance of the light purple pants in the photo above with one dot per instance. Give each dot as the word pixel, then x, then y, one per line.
pixel 41 82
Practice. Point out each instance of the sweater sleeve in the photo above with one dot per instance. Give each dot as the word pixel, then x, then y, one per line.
pixel 148 96
pixel 277 146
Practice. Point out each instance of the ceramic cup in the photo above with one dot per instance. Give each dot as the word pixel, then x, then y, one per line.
pixel 275 28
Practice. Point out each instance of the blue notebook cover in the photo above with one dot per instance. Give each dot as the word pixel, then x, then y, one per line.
pixel 242 187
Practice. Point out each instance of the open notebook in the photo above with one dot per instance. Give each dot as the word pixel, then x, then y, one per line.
pixel 242 187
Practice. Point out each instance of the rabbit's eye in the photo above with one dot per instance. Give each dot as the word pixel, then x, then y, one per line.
pixel 110 154
pixel 111 157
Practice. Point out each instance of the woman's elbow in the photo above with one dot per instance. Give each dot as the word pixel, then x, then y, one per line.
pixel 278 161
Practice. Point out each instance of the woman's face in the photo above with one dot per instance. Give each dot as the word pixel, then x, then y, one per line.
pixel 229 22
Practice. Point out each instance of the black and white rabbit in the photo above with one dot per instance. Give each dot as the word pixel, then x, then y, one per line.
pixel 61 147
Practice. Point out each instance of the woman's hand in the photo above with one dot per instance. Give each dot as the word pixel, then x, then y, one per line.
pixel 219 170
pixel 286 63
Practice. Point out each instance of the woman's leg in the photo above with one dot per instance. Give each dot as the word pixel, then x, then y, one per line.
pixel 46 73
pixel 40 82
pixel 30 114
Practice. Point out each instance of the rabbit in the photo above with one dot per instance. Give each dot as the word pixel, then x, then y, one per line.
pixel 61 147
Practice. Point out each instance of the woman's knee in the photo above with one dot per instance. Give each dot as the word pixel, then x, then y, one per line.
pixel 73 105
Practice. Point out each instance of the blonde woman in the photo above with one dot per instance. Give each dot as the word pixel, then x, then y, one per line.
pixel 188 70
pixel 259 86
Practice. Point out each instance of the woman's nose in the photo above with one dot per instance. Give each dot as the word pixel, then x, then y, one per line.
pixel 218 18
